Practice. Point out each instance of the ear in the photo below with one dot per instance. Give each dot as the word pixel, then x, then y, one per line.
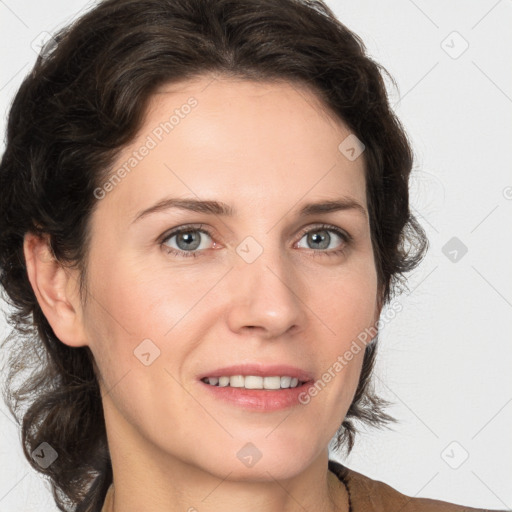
pixel 56 290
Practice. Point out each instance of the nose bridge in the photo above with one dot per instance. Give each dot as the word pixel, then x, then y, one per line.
pixel 265 288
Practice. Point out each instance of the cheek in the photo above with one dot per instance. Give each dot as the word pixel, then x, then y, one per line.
pixel 117 317
pixel 141 300
pixel 346 304
pixel 344 309
pixel 132 303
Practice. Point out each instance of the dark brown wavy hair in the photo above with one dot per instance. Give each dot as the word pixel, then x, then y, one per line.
pixel 84 101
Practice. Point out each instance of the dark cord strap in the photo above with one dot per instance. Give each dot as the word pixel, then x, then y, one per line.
pixel 345 483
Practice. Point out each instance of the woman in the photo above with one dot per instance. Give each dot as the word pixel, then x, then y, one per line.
pixel 169 168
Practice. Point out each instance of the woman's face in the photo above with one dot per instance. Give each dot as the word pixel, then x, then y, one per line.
pixel 266 285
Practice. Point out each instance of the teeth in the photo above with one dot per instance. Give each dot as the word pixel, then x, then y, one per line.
pixel 285 382
pixel 253 382
pixel 223 381
pixel 237 381
pixel 271 383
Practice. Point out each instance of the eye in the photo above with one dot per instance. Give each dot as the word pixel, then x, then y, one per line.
pixel 321 238
pixel 188 240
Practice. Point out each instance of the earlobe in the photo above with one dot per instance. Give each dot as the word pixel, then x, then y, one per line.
pixel 56 290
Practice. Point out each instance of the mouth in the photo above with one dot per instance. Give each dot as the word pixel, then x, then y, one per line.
pixel 257 387
pixel 269 383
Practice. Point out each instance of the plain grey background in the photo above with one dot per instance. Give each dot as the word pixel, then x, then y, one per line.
pixel 446 359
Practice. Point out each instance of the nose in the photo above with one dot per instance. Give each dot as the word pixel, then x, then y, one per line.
pixel 267 297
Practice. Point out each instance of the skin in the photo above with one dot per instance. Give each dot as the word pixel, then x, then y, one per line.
pixel 266 149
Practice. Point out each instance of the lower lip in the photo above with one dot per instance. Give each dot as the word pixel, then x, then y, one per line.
pixel 258 399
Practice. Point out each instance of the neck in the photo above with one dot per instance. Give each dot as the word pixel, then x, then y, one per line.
pixel 333 504
pixel 146 479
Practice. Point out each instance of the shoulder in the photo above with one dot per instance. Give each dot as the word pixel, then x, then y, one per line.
pixel 368 495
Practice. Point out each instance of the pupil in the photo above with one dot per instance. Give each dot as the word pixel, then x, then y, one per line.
pixel 188 238
pixel 316 238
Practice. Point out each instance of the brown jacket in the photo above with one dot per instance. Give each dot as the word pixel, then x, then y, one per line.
pixel 369 495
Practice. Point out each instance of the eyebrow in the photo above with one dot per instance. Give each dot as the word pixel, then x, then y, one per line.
pixel 223 209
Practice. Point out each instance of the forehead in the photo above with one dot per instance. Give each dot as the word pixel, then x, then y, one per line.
pixel 256 107
pixel 212 136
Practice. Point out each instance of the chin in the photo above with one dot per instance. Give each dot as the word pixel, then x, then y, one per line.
pixel 262 461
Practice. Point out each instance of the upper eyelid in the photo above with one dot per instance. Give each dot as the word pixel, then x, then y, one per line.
pixel 184 228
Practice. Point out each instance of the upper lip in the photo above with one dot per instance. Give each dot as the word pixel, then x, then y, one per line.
pixel 261 370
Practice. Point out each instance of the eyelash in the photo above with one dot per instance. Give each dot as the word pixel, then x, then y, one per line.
pixel 347 239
